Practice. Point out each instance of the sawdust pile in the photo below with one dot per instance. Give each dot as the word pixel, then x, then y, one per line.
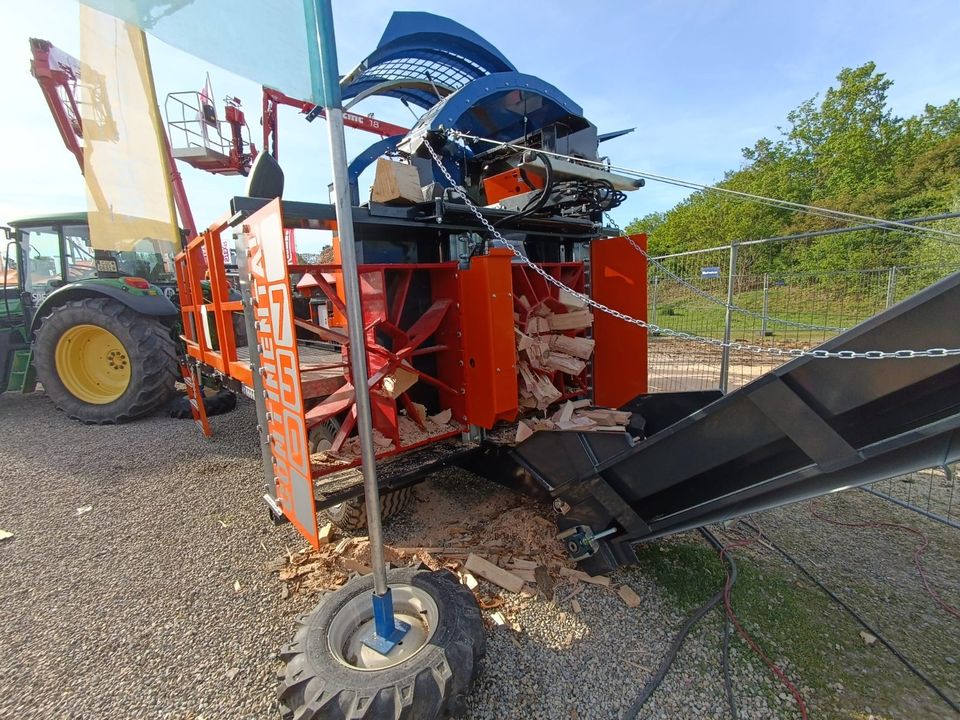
pixel 510 532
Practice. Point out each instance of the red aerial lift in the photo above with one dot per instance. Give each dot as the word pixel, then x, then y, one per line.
pixel 200 138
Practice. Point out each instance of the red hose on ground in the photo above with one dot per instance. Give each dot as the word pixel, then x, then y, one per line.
pixel 728 604
pixel 918 552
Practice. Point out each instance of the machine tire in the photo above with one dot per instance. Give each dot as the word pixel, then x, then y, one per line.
pixel 352 514
pixel 319 682
pixel 147 343
pixel 220 403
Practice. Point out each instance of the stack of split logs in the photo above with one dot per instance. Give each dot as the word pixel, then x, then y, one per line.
pixel 576 415
pixel 549 348
pixel 545 348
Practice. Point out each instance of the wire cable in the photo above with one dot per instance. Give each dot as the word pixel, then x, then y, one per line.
pixel 728 604
pixel 690 185
pixel 918 553
pixel 853 613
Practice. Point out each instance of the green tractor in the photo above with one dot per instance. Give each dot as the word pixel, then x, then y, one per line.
pixel 95 328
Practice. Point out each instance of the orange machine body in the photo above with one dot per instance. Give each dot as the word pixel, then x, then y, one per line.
pixel 510 183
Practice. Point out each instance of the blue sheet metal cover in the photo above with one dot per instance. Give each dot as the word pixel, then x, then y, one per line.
pixel 421 46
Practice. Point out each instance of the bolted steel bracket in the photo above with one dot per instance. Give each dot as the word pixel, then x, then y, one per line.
pixel 581 542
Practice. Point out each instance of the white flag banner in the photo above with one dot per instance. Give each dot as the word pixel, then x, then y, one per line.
pixel 273 43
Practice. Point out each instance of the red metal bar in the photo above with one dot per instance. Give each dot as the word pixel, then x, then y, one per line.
pixel 274 98
pixel 54 69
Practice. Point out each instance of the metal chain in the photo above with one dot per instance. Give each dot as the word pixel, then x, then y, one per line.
pixel 718 301
pixel 739 346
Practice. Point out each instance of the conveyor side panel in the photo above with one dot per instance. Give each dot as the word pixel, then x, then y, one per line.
pixel 807 428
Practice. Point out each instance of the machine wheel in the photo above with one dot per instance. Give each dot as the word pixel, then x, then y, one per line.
pixel 329 674
pixel 101 362
pixel 352 514
pixel 220 403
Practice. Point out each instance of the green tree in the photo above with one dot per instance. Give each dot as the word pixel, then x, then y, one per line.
pixel 846 151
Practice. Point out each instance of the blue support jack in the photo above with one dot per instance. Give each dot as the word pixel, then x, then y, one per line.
pixel 388 631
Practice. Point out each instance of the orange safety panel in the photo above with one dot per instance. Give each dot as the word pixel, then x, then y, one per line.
pixel 280 367
pixel 489 347
pixel 338 319
pixel 619 281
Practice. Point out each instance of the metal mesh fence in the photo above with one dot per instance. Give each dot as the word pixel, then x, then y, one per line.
pixel 778 309
pixel 772 309
pixel 932 492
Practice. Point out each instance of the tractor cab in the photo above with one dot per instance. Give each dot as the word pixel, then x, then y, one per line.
pixel 46 253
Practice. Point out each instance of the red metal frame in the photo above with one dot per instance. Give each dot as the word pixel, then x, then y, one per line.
pixel 619 280
pixel 272 99
pixel 208 328
pixel 400 330
pixel 490 346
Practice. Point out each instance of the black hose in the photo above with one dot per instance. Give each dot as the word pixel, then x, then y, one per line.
pixel 542 198
pixel 727 678
pixel 853 613
pixel 654 682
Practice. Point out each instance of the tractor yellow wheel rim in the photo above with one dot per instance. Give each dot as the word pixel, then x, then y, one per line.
pixel 92 364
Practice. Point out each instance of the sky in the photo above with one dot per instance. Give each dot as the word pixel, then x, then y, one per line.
pixel 699 79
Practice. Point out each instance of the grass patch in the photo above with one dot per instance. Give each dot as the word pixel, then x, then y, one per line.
pixel 688 573
pixel 792 619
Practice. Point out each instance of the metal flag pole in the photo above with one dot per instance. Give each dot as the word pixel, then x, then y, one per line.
pixel 387 630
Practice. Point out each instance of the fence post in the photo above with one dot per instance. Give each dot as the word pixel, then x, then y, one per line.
pixel 728 320
pixel 891 285
pixel 766 305
pixel 653 299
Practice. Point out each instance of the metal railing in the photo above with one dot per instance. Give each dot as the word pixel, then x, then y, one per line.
pixel 720 293
pixel 932 492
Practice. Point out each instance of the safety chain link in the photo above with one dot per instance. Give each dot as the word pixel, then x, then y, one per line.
pixel 739 346
pixel 715 300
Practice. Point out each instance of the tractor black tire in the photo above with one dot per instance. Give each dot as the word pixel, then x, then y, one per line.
pixel 148 344
pixel 220 403
pixel 352 514
pixel 321 681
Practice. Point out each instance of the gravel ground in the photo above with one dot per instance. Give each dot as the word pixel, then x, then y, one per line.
pixel 594 665
pixel 130 610
pixel 872 570
pixel 156 602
